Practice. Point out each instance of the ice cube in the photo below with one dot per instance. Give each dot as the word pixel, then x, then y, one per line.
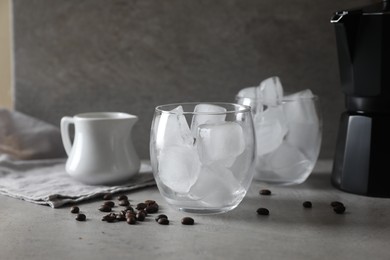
pixel 307 93
pixel 249 92
pixel 300 107
pixel 306 137
pixel 271 127
pixel 171 128
pixel 178 167
pixel 303 122
pixel 247 97
pixel 220 143
pixel 270 92
pixel 207 113
pixel 216 186
pixel 285 165
pixel 242 166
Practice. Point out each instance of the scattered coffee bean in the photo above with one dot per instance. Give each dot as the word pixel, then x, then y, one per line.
pixel 74 209
pixel 263 211
pixel 152 208
pixel 123 197
pixel 131 221
pixel 307 204
pixel 81 217
pixel 107 196
pixel 149 202
pixel 143 211
pixel 109 203
pixel 265 192
pixel 129 208
pixel 105 208
pixel 163 221
pixel 339 209
pixel 109 217
pixel 130 214
pixel 140 216
pixel 120 217
pixel 141 206
pixel 161 216
pixel 336 203
pixel 124 203
pixel 187 221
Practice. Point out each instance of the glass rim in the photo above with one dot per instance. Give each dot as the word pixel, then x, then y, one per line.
pixel 241 108
pixel 284 99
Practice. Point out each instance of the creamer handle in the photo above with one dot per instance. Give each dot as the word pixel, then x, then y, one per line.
pixel 65 122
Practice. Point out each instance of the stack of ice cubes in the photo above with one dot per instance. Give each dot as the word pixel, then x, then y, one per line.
pixel 198 160
pixel 288 131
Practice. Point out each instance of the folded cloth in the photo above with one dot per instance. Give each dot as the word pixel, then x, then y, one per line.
pixel 28 173
pixel 24 137
pixel 46 182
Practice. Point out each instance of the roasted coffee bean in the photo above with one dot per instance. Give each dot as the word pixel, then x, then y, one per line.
pixel 339 209
pixel 141 206
pixel 131 221
pixel 81 217
pixel 120 217
pixel 161 216
pixel 130 214
pixel 124 203
pixel 123 197
pixel 110 220
pixel 143 211
pixel 74 209
pixel 307 204
pixel 129 208
pixel 149 202
pixel 140 216
pixel 187 221
pixel 163 221
pixel 336 203
pixel 107 196
pixel 109 203
pixel 109 217
pixel 105 208
pixel 263 211
pixel 265 192
pixel 152 208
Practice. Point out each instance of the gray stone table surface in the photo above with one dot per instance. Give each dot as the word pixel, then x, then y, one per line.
pixel 30 231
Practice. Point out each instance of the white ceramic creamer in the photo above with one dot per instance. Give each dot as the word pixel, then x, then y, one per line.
pixel 102 151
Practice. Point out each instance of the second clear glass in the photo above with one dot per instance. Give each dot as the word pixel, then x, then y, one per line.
pixel 288 138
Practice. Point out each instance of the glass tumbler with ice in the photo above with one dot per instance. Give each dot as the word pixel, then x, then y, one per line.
pixel 202 155
pixel 288 131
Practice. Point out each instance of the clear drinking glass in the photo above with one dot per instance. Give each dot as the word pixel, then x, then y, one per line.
pixel 202 154
pixel 288 138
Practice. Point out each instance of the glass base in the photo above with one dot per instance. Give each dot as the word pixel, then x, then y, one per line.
pixel 201 207
pixel 280 182
pixel 205 211
pixel 197 207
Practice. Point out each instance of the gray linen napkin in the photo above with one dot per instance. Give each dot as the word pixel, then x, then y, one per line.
pixel 46 182
pixel 31 170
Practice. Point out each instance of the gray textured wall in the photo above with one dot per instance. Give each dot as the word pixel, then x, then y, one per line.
pixel 96 55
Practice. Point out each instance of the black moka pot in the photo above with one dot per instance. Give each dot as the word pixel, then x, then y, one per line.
pixel 362 157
